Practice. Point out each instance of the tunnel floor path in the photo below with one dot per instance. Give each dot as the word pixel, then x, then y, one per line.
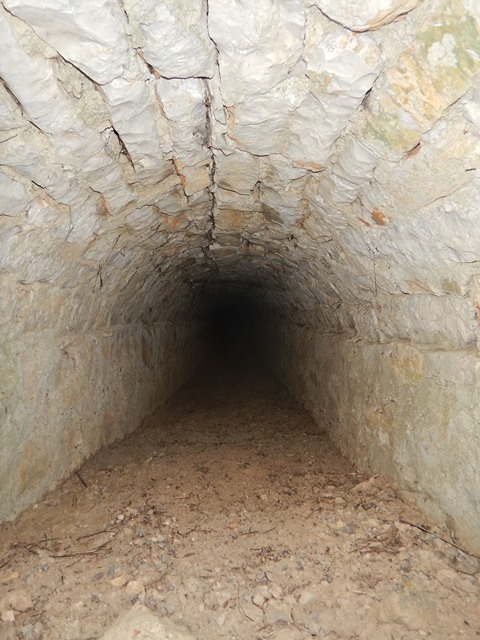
pixel 231 514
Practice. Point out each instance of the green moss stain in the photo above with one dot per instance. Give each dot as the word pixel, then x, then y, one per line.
pixel 417 90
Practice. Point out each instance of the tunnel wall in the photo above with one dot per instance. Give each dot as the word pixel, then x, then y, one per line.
pixel 66 396
pixel 404 411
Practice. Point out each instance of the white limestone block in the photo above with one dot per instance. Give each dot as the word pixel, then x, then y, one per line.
pixel 173 36
pixel 362 15
pixel 184 106
pixel 356 163
pixel 261 124
pixel 40 97
pixel 41 213
pixel 226 199
pixel 341 67
pixel 446 321
pixel 85 219
pixel 258 47
pixel 90 34
pixel 238 172
pixel 278 173
pixel 10 117
pixel 138 122
pixel 9 251
pixel 14 197
pixel 142 218
pixel 240 220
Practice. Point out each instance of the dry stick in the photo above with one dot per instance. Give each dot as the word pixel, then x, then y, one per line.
pixel 37 543
pixel 81 553
pixel 435 535
pixel 96 533
pixel 81 479
pixel 239 605
pixel 250 533
pixel 5 560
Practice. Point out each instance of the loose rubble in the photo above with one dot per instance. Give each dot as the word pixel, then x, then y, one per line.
pixel 233 516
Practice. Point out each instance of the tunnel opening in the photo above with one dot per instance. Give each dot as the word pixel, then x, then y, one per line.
pixel 235 327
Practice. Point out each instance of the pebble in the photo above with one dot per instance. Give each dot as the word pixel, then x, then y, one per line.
pixel 8 576
pixel 220 620
pixel 222 598
pixel 32 631
pixel 8 615
pixel 466 564
pixel 20 600
pixel 307 597
pixel 119 581
pixel 274 614
pixel 170 604
pixel 252 612
pixel 276 591
pixel 135 588
pixel 260 596
pixel 447 578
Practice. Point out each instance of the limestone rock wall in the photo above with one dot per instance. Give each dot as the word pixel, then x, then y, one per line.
pixel 66 396
pixel 324 154
pixel 408 412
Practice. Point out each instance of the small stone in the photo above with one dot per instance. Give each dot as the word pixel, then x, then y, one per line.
pixel 466 564
pixel 170 604
pixel 135 588
pixel 222 598
pixel 312 625
pixel 220 620
pixel 8 615
pixel 119 581
pixel 260 596
pixel 307 597
pixel 192 584
pixel 141 622
pixel 276 591
pixel 8 576
pixel 447 578
pixel 252 612
pixel 277 614
pixel 20 600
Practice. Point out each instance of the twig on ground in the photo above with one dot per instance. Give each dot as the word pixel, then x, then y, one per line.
pixel 5 560
pixel 77 473
pixel 92 552
pixel 439 537
pixel 251 533
pixel 96 533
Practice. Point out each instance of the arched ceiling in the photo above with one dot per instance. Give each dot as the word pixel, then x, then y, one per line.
pixel 326 150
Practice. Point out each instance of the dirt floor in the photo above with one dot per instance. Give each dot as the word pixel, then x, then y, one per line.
pixel 234 516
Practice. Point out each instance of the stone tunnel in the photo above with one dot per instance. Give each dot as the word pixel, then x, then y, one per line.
pixel 311 164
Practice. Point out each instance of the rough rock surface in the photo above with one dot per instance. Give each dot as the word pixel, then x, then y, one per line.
pixel 231 515
pixel 140 623
pixel 323 154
